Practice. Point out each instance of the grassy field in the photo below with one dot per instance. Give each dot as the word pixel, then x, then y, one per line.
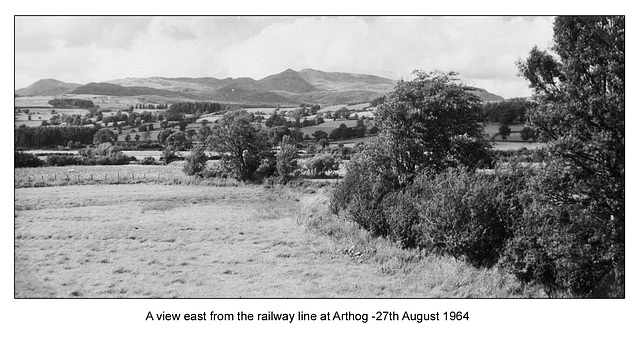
pixel 154 240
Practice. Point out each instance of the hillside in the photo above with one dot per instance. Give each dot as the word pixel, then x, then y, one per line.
pixel 287 81
pixel 108 89
pixel 342 80
pixel 487 96
pixel 47 87
pixel 286 88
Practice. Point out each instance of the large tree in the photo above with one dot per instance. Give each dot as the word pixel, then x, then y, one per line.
pixel 240 144
pixel 421 119
pixel 578 207
pixel 426 125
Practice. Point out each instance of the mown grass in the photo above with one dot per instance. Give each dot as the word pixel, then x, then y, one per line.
pixel 152 240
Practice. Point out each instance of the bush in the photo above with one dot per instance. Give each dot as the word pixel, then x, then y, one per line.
pixel 64 160
pixel 402 218
pixel 568 247
pixel 320 164
pixel 360 193
pixel 287 160
pixel 22 159
pixel 468 215
pixel 196 162
pixel 147 161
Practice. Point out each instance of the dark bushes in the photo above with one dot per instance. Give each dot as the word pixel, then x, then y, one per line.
pixel 22 159
pixel 467 215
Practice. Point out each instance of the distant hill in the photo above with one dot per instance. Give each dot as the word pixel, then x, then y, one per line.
pixel 286 88
pixel 342 80
pixel 47 87
pixel 287 81
pixel 107 89
pixel 487 96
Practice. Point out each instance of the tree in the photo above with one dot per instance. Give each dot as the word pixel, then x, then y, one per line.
pixel 164 134
pixel 127 138
pixel 178 140
pixel 419 120
pixel 241 145
pixel 527 133
pixel 319 134
pixel 505 131
pixel 287 160
pixel 579 194
pixel 196 162
pixel 104 135
pixel 426 125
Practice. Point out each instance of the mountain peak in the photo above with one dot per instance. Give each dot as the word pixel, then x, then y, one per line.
pixel 47 87
pixel 288 81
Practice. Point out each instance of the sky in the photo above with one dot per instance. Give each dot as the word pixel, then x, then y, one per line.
pixel 482 49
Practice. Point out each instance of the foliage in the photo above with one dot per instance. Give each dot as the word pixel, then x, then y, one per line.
pixel 505 131
pixel 104 154
pixel 241 145
pixel 369 178
pixel 169 155
pixel 426 125
pixel 420 119
pixel 105 135
pixel 178 141
pixel 468 215
pixel 196 162
pixel 580 93
pixel 320 164
pixel 147 161
pixel 164 134
pixel 39 137
pixel 507 112
pixel 528 134
pixel 71 103
pixel 287 160
pixel 22 159
pixel 193 107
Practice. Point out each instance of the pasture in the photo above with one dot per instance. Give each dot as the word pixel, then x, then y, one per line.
pixel 40 114
pixel 157 240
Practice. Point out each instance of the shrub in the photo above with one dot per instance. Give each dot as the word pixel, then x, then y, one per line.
pixel 22 159
pixel 287 160
pixel 569 247
pixel 320 164
pixel 468 215
pixel 147 161
pixel 64 160
pixel 360 193
pixel 169 155
pixel 402 218
pixel 196 162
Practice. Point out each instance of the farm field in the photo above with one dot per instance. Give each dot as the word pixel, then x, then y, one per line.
pixel 40 114
pixel 154 240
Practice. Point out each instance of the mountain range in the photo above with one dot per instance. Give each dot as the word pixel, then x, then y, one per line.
pixel 286 88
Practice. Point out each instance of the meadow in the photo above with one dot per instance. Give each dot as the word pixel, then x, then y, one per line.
pixel 226 241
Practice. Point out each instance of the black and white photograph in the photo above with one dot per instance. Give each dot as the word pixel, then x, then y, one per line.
pixel 323 181
pixel 296 157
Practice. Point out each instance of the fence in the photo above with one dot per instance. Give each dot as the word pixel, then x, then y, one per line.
pixel 21 180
